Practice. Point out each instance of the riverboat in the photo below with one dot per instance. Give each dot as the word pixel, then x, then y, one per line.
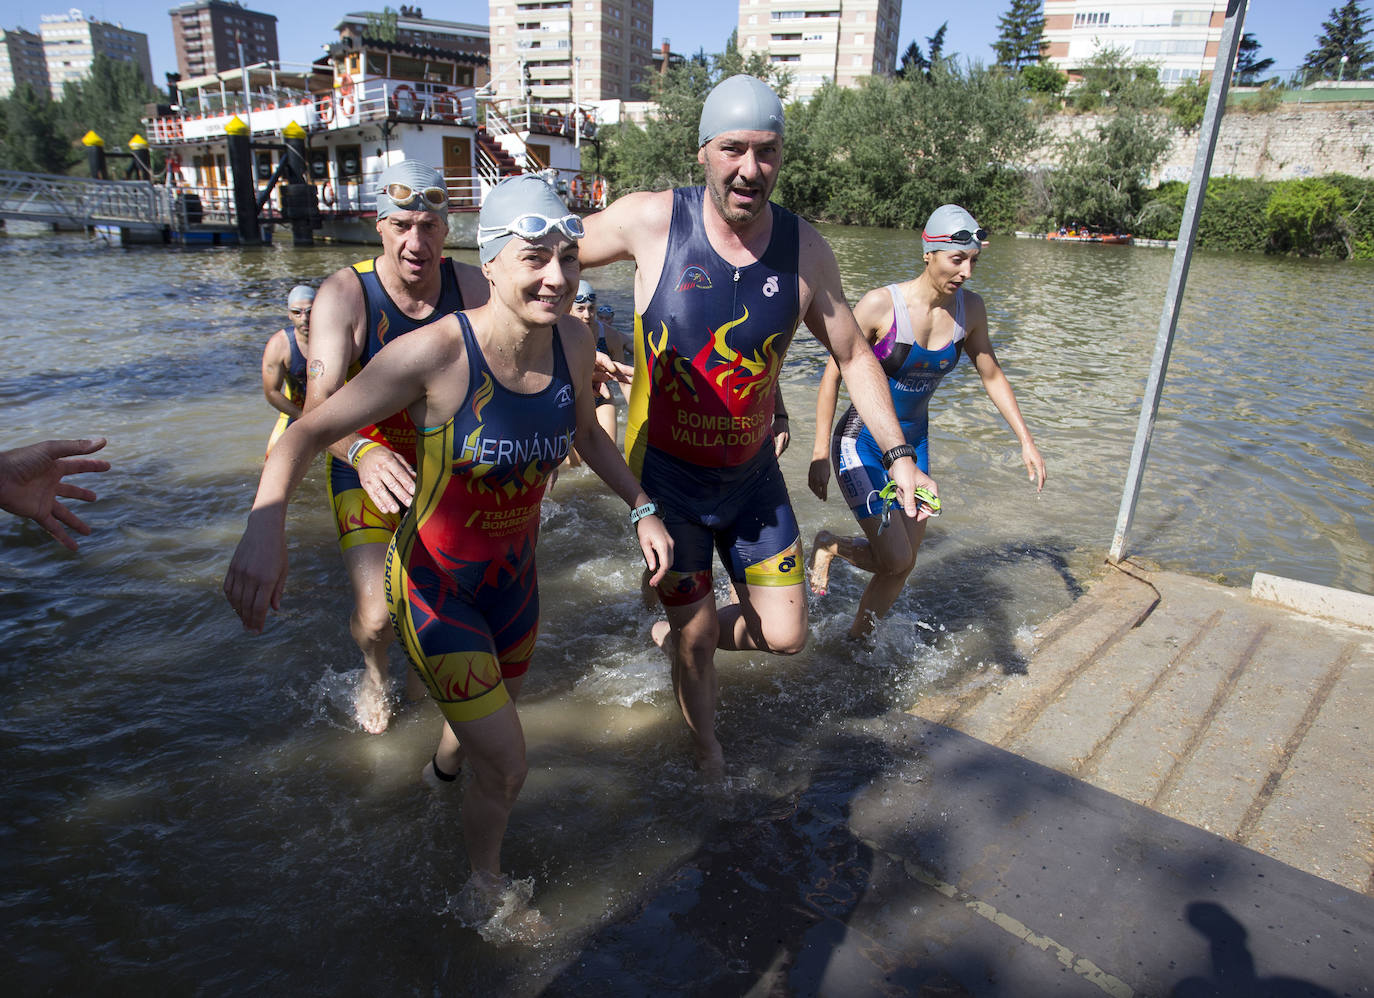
pixel 1084 235
pixel 360 108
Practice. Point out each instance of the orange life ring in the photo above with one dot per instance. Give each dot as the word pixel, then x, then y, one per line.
pixel 346 101
pixel 598 190
pixel 327 195
pixel 578 187
pixel 554 120
pixel 412 104
pixel 327 110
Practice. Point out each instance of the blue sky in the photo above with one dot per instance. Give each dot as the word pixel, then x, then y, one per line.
pixel 1286 29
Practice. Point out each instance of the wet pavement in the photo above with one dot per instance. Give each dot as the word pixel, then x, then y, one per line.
pixel 924 859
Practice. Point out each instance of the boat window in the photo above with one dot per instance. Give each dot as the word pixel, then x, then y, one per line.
pixel 376 64
pixel 406 69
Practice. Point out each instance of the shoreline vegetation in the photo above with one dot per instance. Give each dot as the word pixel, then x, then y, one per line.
pixel 887 152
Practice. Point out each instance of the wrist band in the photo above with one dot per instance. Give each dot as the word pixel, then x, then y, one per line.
pixel 650 508
pixel 897 453
pixel 359 448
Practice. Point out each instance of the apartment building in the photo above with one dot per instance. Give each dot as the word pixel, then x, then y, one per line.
pixel 71 41
pixel 821 40
pixel 1181 36
pixel 208 33
pixel 564 50
pixel 22 61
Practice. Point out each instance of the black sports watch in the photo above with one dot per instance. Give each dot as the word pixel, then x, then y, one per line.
pixel 897 453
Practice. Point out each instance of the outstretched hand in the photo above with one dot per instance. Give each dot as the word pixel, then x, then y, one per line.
pixel 31 483
pixel 1035 464
pixel 818 477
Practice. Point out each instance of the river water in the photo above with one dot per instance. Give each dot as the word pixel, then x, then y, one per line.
pixel 190 809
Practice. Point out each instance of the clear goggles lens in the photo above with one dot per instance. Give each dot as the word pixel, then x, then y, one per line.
pixel 584 299
pixel 404 194
pixel 605 311
pixel 532 226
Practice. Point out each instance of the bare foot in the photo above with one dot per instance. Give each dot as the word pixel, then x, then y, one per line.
pixel 823 551
pixel 499 909
pixel 372 709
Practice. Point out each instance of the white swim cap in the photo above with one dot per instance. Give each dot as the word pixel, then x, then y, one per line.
pixel 300 293
pixel 740 104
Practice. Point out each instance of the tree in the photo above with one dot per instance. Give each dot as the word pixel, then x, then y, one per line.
pixel 913 62
pixel 111 101
pixel 936 42
pixel 1101 177
pixel 1021 40
pixel 381 27
pixel 1042 78
pixel 1248 65
pixel 30 139
pixel 1343 36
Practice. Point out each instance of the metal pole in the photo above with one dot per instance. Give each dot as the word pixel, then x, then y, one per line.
pixel 1178 277
pixel 243 77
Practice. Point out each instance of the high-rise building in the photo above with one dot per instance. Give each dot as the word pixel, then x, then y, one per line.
pixel 22 61
pixel 413 28
pixel 1180 36
pixel 821 40
pixel 561 50
pixel 208 34
pixel 71 41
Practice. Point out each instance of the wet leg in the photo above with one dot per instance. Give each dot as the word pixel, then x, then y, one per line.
pixel 892 553
pixel 690 640
pixel 370 626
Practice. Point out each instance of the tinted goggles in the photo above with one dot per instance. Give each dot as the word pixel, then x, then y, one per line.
pixel 531 226
pixel 963 237
pixel 404 195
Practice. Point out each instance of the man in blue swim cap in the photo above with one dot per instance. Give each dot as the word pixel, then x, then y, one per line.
pixel 723 278
pixel 372 472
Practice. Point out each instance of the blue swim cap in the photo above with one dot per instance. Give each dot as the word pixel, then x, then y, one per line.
pixel 418 177
pixel 741 103
pixel 526 194
pixel 300 293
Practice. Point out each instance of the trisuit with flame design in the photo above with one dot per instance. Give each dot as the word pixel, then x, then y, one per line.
pixel 708 349
pixel 461 580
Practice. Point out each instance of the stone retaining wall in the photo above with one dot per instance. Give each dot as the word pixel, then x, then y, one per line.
pixel 1291 142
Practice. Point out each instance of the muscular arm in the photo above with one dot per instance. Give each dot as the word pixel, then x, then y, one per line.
pixel 276 361
pixel 978 346
pixel 601 454
pixel 830 321
pixel 634 227
pixel 338 333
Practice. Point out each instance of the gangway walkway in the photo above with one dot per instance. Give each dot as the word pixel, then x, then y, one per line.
pixel 129 204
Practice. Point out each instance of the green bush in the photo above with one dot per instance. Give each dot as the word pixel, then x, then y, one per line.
pixel 1305 217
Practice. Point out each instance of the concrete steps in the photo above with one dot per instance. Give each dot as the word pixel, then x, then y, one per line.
pixel 1233 714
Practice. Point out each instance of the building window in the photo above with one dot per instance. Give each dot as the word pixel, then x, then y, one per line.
pixel 1191 17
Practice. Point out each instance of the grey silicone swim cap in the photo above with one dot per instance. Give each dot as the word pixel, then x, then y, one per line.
pixel 526 194
pixel 585 292
pixel 944 222
pixel 741 103
pixel 300 293
pixel 415 175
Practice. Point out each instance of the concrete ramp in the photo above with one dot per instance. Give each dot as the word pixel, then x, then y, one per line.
pixel 1237 715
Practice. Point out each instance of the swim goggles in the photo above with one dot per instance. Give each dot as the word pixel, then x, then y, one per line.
pixel 888 494
pixel 962 237
pixel 531 226
pixel 605 311
pixel 405 195
pixel 583 299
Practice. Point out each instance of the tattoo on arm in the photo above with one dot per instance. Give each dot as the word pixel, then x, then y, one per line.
pixel 316 369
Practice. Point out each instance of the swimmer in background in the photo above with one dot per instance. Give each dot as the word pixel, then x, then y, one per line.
pixel 610 342
pixel 498 394
pixel 283 361
pixel 918 329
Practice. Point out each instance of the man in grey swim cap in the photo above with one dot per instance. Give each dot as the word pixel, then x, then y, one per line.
pixel 372 472
pixel 283 361
pixel 723 278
